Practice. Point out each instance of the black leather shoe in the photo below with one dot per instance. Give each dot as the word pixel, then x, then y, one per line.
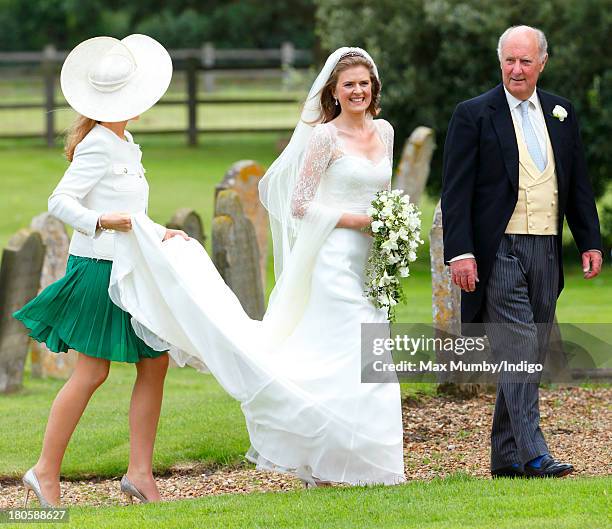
pixel 507 472
pixel 549 468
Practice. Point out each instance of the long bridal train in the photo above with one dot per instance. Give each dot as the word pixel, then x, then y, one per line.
pixel 306 410
pixel 297 372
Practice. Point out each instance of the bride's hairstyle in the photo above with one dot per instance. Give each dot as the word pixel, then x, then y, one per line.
pixel 329 109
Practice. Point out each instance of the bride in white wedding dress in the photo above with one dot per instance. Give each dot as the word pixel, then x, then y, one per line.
pixel 297 373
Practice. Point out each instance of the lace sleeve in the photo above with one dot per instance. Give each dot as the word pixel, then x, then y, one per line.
pixel 316 160
pixel 387 134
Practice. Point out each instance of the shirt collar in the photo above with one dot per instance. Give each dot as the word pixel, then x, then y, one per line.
pixel 513 102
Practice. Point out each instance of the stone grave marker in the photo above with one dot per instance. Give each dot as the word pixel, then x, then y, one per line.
pixel 413 169
pixel 53 233
pixel 243 177
pixel 235 252
pixel 190 222
pixel 22 262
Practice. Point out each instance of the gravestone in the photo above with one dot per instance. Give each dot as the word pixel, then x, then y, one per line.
pixel 22 262
pixel 413 169
pixel 235 252
pixel 243 177
pixel 446 297
pixel 190 222
pixel 46 363
pixel 446 307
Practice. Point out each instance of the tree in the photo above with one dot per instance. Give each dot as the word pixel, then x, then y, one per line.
pixel 432 54
pixel 30 25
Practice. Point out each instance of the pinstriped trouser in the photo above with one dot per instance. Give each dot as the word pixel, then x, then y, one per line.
pixel 521 292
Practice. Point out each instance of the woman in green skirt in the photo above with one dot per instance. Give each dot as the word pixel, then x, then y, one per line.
pixel 108 82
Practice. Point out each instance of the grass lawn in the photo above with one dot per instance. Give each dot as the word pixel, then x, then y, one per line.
pixel 181 176
pixel 455 502
pixel 199 423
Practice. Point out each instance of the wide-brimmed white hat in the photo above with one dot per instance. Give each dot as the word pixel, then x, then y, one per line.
pixel 107 79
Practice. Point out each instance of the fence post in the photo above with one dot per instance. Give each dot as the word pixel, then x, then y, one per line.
pixel 192 101
pixel 287 60
pixel 48 67
pixel 208 62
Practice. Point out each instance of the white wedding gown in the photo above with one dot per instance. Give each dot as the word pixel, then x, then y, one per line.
pixel 306 410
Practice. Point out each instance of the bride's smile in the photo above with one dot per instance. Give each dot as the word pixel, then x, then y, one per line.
pixel 354 89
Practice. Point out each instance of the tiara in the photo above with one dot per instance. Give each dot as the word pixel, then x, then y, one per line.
pixel 352 54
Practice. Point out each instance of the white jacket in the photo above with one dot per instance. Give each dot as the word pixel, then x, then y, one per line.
pixel 105 176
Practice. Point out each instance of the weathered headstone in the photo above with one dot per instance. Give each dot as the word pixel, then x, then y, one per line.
pixel 189 221
pixel 22 262
pixel 235 252
pixel 446 297
pixel 53 233
pixel 413 169
pixel 243 177
pixel 446 306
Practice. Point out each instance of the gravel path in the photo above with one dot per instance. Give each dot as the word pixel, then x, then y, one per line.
pixel 441 436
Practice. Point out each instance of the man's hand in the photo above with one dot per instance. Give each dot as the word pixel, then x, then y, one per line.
pixel 172 233
pixel 464 273
pixel 591 263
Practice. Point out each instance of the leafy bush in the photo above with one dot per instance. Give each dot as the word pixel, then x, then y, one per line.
pixel 432 54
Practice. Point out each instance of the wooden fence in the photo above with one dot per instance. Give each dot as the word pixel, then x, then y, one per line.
pixel 207 60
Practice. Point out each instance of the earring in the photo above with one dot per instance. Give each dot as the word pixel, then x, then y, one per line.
pixel 336 99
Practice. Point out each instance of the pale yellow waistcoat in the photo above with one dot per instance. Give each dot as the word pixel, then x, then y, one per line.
pixel 536 211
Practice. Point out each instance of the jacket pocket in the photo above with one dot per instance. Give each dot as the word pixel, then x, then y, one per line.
pixel 126 176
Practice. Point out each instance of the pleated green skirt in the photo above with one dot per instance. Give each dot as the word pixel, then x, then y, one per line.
pixel 76 313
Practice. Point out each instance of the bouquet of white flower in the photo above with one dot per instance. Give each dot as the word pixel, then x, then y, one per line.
pixel 396 228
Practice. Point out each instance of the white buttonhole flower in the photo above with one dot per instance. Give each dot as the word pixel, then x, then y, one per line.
pixel 559 112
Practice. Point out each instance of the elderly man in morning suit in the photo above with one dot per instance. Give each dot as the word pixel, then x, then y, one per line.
pixel 514 168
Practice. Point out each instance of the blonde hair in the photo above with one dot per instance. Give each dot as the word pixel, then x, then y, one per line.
pixel 329 109
pixel 77 131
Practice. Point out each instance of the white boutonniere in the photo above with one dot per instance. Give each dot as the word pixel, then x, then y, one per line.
pixel 559 112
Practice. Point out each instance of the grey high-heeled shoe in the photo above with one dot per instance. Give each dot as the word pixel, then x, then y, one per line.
pixel 31 484
pixel 130 490
pixel 311 482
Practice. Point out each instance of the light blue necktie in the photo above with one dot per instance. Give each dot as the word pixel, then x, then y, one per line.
pixel 533 146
